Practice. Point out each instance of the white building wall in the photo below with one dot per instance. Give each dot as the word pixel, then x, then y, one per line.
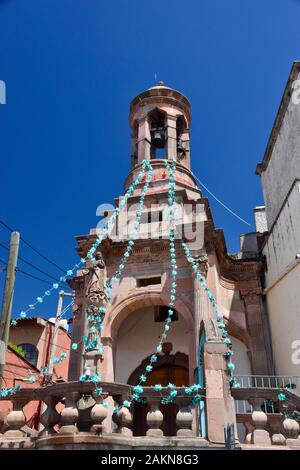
pixel 283 284
pixel 284 311
pixel 284 165
pixel 284 241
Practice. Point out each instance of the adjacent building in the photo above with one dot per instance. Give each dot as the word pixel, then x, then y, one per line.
pixel 280 221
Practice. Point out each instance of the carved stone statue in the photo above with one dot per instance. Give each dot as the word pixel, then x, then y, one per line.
pixel 95 283
pixel 202 261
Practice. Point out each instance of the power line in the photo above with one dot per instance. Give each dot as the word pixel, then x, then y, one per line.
pixel 27 274
pixel 33 277
pixel 30 264
pixel 32 248
pixel 222 204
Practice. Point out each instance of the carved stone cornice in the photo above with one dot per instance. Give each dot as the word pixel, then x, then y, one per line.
pixel 251 296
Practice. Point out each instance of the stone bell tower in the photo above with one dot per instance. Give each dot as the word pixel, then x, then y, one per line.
pixel 160 121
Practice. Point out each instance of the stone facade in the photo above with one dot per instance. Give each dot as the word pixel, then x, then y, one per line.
pixel 234 282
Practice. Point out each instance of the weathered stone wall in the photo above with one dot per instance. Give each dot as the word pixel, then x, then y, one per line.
pixel 284 164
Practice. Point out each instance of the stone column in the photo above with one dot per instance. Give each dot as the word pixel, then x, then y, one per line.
pixel 261 363
pixel 171 135
pixel 201 307
pixel 185 139
pixel 144 140
pixel 107 366
pixel 220 411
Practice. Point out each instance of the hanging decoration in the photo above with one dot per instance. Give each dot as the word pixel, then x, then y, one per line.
pixel 90 255
pixel 95 319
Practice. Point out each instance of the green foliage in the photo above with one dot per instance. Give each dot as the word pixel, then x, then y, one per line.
pixel 17 349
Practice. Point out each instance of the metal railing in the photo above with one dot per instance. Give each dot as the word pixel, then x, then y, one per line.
pixel 292 383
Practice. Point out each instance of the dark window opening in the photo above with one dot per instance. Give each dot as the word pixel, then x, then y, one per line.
pixel 148 281
pixel 31 351
pixel 155 216
pixel 157 121
pixel 161 313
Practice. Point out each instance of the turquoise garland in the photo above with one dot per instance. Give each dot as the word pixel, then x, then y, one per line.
pixel 219 318
pixel 90 255
pixel 138 389
pixel 95 321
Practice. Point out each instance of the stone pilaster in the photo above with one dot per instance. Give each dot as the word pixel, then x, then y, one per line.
pixel 261 363
pixel 171 134
pixel 144 140
pixel 220 410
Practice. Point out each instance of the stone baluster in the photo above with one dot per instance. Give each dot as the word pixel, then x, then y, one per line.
pixel 290 427
pixel 275 423
pixel 122 417
pixel 291 432
pixel 50 417
pixel 184 418
pixel 16 420
pixel 69 414
pixel 260 435
pixel 98 414
pixel 154 418
pixel 249 428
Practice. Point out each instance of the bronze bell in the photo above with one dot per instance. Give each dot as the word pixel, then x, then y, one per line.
pixel 158 138
pixel 180 147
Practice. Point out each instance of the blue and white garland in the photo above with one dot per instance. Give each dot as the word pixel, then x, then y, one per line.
pixel 95 320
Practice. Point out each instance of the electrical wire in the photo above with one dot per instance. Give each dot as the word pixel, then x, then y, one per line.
pixel 32 248
pixel 222 204
pixel 30 264
pixel 27 274
pixel 32 275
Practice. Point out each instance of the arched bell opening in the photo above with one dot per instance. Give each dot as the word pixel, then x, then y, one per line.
pixel 157 125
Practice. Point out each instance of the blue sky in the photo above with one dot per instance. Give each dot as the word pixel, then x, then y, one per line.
pixel 71 68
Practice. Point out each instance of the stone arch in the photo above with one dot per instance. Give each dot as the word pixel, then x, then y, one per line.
pixel 138 299
pixel 144 298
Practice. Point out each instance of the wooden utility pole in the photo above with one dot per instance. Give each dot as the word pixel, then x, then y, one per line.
pixel 8 299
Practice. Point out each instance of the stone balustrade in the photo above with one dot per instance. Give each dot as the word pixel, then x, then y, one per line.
pixel 268 421
pixel 73 416
pixel 72 413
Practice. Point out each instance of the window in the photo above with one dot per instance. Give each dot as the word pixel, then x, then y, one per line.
pixel 148 281
pixel 161 314
pixel 155 216
pixel 31 352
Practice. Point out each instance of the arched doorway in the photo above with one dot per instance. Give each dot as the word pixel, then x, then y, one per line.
pixel 168 369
